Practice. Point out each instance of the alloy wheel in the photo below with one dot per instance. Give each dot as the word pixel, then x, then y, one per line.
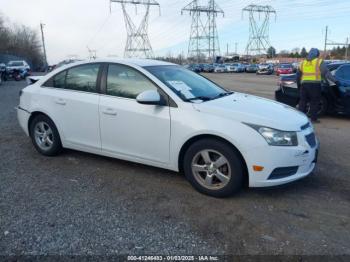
pixel 211 169
pixel 43 135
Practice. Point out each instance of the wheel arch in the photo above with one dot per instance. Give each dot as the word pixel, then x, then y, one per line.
pixel 37 113
pixel 196 138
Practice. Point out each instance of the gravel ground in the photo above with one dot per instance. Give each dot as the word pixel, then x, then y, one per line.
pixel 82 204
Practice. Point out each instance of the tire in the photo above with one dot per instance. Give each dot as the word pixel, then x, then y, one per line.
pixel 218 181
pixel 45 136
pixel 323 107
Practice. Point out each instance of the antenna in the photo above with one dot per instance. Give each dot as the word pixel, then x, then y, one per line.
pixel 258 42
pixel 137 43
pixel 204 40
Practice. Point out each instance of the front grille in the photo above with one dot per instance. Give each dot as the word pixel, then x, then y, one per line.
pixel 311 140
pixel 283 172
pixel 306 126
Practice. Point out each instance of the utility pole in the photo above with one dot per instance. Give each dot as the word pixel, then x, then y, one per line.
pixel 236 48
pixel 227 49
pixel 325 42
pixel 204 39
pixel 137 43
pixel 43 42
pixel 347 48
pixel 258 41
pixel 332 43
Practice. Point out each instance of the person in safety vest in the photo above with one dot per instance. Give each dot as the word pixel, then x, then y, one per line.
pixel 311 71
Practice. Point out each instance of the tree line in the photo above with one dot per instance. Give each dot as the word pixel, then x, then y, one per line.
pixel 335 53
pixel 21 41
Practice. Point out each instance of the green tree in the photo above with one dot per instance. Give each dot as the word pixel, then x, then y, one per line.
pixel 303 52
pixel 271 52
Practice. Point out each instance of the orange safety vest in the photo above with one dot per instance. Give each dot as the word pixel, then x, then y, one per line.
pixel 311 70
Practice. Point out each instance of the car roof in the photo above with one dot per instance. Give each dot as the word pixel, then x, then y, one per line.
pixel 135 61
pixel 335 65
pixel 127 61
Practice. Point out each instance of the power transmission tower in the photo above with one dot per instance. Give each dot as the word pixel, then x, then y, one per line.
pixel 43 42
pixel 92 53
pixel 137 42
pixel 259 41
pixel 204 40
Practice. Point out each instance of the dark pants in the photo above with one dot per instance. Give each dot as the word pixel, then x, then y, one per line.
pixel 310 92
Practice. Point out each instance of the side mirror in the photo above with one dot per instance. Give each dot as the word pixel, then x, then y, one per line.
pixel 150 97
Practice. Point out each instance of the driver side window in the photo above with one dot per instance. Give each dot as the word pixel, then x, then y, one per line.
pixel 124 81
pixel 343 72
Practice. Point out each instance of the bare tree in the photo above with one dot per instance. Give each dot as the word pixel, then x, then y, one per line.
pixel 22 41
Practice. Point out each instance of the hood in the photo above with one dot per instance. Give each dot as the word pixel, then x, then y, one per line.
pixel 255 110
pixel 314 53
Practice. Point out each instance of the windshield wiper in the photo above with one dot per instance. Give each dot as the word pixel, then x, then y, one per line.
pixel 222 95
pixel 207 98
pixel 204 98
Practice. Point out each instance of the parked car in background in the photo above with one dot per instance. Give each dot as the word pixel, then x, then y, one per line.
pixel 201 67
pixel 16 70
pixel 219 68
pixel 229 68
pixel 295 66
pixel 208 68
pixel 284 69
pixel 161 114
pixel 195 68
pixel 335 96
pixel 253 68
pixel 17 65
pixel 238 67
pixel 265 69
pixel 2 72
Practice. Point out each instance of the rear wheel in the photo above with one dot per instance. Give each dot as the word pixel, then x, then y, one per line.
pixel 45 136
pixel 213 167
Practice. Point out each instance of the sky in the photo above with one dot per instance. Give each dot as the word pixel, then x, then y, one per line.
pixel 73 26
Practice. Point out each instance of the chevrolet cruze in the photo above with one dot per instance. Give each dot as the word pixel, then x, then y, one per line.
pixel 161 114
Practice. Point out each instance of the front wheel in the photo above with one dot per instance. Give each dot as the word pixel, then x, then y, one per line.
pixel 213 167
pixel 323 107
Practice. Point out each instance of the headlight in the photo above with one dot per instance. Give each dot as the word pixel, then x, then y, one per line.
pixel 276 137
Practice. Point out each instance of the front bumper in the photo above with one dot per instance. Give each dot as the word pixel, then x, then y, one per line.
pixel 303 158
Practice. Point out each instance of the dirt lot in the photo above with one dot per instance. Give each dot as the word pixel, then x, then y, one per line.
pixel 79 203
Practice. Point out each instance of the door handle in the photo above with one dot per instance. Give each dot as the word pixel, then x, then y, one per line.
pixel 60 101
pixel 109 111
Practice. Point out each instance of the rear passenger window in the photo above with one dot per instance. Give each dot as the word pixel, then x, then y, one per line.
pixel 83 78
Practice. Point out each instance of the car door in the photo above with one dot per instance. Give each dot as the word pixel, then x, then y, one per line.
pixel 130 129
pixel 73 100
pixel 343 76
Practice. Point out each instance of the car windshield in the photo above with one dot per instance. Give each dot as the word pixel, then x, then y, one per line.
pixel 186 84
pixel 285 66
pixel 16 63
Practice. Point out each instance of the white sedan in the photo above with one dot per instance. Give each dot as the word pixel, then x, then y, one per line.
pixel 160 114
